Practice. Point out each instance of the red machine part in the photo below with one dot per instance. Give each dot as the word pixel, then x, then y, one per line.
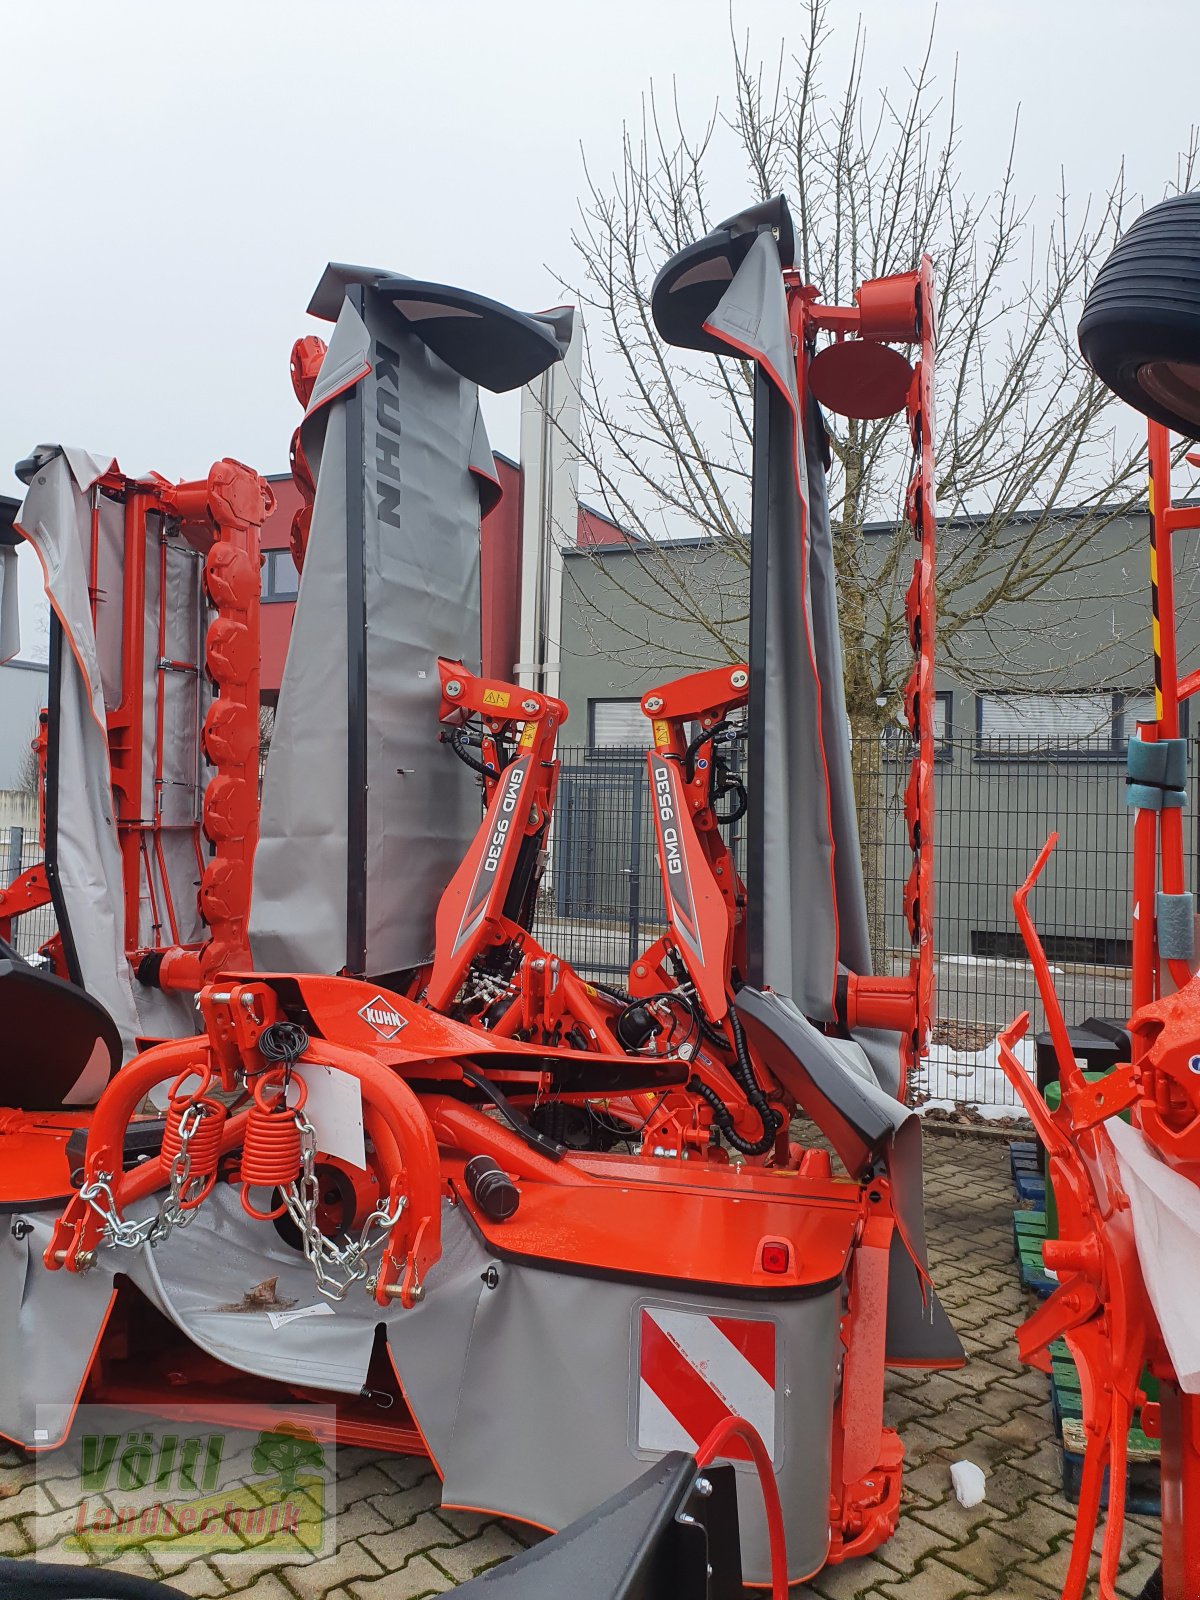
pixel 220 517
pixel 226 513
pixel 478 915
pixel 705 898
pixel 307 356
pixel 31 889
pixel 1100 1306
pixel 897 310
pixel 400 1132
pixel 708 937
pixel 203 1117
pixel 271 1149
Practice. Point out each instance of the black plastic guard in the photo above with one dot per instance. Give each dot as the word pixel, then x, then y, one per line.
pixel 51 1032
pixel 859 1119
pixel 657 1539
pixel 42 1580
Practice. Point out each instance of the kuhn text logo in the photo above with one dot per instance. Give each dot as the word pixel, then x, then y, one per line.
pixel 386 1021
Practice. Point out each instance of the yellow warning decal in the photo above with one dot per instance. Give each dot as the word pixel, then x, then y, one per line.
pixel 662 734
pixel 528 734
pixel 496 697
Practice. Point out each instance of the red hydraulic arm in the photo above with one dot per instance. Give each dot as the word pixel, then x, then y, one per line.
pixel 704 897
pixel 476 913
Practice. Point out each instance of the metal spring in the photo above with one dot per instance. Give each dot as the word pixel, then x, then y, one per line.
pixel 204 1144
pixel 271 1149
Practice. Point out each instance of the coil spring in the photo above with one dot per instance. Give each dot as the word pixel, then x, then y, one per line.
pixel 204 1142
pixel 204 1145
pixel 271 1148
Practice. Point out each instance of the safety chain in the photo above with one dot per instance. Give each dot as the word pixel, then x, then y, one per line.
pixel 301 1198
pixel 336 1268
pixel 177 1208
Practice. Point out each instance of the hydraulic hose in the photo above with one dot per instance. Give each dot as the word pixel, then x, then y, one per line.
pixel 458 739
pixel 770 1118
pixel 698 742
pixel 724 1121
pixel 743 1071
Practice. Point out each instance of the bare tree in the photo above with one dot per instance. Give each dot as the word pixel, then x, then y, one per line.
pixel 1025 430
pixel 27 765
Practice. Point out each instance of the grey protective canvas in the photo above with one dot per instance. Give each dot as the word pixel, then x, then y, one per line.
pixel 526 1334
pixel 396 496
pixel 56 519
pixel 802 803
pixel 365 814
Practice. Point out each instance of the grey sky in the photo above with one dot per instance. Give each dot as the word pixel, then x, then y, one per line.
pixel 178 174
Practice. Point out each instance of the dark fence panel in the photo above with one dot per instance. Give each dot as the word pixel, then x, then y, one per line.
pixel 601 905
pixel 19 848
pixel 995 810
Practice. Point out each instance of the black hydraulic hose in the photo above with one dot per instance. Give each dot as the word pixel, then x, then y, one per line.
pixel 701 739
pixel 724 1121
pixel 517 1121
pixel 458 739
pixel 739 808
pixel 612 991
pixel 743 1071
pixel 769 1117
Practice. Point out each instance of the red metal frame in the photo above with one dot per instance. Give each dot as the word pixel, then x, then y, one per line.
pixel 541 997
pixel 1101 1306
pixel 704 896
pixel 900 310
pixel 605 1213
pixel 220 517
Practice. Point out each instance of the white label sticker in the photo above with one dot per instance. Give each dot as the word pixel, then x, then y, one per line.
pixel 334 1107
pixel 278 1318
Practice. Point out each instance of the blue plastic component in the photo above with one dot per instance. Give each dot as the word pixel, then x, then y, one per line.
pixel 1156 774
pixel 1175 918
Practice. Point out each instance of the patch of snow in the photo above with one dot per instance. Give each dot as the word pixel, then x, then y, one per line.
pixel 975 1079
pixel 969 1482
pixel 999 963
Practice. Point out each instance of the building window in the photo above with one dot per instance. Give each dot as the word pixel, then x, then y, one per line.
pixel 899 742
pixel 1094 726
pixel 617 725
pixel 280 580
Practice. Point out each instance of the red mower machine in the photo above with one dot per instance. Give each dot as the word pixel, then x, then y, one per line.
pixel 1123 1150
pixel 566 1240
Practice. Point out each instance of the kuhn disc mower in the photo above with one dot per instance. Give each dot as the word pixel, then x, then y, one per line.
pixel 510 1189
pixel 1128 1192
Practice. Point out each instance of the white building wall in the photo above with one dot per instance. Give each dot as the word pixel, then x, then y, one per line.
pixel 23 687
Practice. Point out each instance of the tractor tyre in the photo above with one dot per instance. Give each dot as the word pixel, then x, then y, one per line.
pixel 1140 328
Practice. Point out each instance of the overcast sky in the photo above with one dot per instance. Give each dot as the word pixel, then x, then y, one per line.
pixel 178 174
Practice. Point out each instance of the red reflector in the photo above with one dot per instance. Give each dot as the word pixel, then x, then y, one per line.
pixel 776 1257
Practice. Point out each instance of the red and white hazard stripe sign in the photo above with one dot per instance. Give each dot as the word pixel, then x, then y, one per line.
pixel 694 1370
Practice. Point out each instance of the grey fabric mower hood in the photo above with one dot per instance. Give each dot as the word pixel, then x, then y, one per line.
pixel 355 778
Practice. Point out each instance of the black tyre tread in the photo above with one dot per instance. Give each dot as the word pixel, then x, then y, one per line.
pixel 1144 306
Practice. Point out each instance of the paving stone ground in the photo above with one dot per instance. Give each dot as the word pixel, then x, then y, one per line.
pixel 395 1543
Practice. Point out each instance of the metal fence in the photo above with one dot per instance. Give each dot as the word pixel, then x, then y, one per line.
pixel 601 904
pixel 996 805
pixel 20 848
